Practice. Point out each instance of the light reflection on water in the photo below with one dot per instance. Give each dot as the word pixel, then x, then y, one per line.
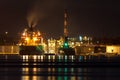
pixel 36 73
pixel 56 73
pixel 48 74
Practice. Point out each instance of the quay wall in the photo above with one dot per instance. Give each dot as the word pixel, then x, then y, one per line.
pixel 98 49
pixel 113 49
pixel 9 49
pixel 13 49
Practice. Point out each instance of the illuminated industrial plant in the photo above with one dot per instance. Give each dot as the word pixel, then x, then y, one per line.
pixel 52 46
pixel 31 37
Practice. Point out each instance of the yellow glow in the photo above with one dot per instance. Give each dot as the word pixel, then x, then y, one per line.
pixel 23 34
pixel 31 38
pixel 23 57
pixel 34 57
pixel 89 49
pixel 34 38
pixel 27 39
pixel 39 33
pixel 27 57
pixel 25 71
pixel 34 69
pixel 42 57
pixel 38 57
pixel 112 49
pixel 6 32
pixel 53 57
pixel 34 78
pixel 49 57
pixel 85 38
pixel 25 77
pixel 72 43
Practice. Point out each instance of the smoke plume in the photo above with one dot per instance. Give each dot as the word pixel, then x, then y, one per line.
pixel 33 16
pixel 42 10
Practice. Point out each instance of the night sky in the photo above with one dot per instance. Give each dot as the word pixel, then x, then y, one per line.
pixel 94 18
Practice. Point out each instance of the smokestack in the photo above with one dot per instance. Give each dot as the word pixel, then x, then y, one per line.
pixel 65 23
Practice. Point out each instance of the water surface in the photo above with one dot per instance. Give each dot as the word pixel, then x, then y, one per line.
pixel 16 67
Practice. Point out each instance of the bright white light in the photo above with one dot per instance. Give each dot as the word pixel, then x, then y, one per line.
pixel 49 57
pixel 23 34
pixel 72 43
pixel 80 38
pixel 38 57
pixel 6 32
pixel 39 33
pixel 34 57
pixel 72 57
pixel 41 56
pixel 65 57
pixel 53 57
pixel 24 57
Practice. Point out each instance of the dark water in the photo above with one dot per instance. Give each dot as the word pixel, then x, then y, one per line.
pixel 16 67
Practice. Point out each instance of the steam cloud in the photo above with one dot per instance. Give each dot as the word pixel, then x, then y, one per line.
pixel 33 16
pixel 40 10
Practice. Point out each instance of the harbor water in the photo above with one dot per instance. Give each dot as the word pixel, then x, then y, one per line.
pixel 59 67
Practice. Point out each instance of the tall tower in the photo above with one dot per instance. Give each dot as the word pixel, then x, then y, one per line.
pixel 66 49
pixel 65 24
pixel 65 30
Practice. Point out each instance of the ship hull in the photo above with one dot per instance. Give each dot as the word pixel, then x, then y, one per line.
pixel 31 50
pixel 66 51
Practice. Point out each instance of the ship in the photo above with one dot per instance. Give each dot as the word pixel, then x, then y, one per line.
pixel 65 49
pixel 31 42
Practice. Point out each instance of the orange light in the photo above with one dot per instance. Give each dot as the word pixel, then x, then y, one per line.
pixel 23 34
pixel 34 38
pixel 27 39
pixel 38 33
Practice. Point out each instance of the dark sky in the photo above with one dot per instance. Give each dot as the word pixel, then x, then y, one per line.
pixel 86 17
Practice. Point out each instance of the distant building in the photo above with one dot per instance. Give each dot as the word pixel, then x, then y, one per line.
pixel 90 49
pixel 113 49
pixel 51 46
pixel 9 49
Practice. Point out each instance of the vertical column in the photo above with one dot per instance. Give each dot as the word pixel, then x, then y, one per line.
pixel 65 24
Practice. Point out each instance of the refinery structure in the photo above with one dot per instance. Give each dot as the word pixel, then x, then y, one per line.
pixel 32 42
pixel 31 36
